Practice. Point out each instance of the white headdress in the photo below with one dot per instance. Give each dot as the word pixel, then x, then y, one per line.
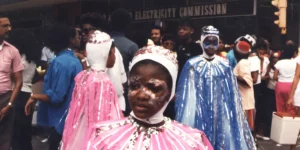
pixel 167 59
pixel 244 44
pixel 208 31
pixel 97 49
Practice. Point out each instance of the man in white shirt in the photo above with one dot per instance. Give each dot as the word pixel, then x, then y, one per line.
pixel 47 55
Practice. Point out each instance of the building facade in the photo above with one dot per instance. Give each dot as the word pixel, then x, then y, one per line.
pixel 232 17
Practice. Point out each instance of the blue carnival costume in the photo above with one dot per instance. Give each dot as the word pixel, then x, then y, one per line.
pixel 208 99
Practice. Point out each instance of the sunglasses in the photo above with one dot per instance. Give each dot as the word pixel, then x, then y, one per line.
pixel 87 30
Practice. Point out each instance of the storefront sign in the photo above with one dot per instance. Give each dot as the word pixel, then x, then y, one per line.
pixel 204 10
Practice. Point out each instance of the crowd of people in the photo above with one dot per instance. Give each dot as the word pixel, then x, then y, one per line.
pixel 102 90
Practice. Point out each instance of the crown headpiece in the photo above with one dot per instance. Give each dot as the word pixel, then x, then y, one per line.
pixel 154 51
pixel 210 30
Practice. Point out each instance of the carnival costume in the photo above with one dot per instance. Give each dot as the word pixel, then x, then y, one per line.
pixel 131 134
pixel 207 98
pixel 94 97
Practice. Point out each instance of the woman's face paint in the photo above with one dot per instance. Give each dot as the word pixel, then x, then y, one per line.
pixel 148 91
pixel 210 45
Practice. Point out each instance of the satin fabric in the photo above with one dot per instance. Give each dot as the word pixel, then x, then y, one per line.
pixel 127 134
pixel 207 98
pixel 94 100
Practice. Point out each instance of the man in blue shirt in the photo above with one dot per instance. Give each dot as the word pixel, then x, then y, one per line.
pixel 58 83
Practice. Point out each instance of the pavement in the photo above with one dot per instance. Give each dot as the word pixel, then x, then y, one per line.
pixel 262 145
pixel 270 145
pixel 38 145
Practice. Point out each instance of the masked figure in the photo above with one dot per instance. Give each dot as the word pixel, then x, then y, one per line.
pixel 153 73
pixel 94 97
pixel 207 98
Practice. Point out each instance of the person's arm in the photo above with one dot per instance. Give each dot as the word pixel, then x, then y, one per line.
pixel 17 77
pixel 254 68
pixel 242 80
pixel 32 100
pixel 254 75
pixel 277 67
pixel 17 67
pixel 242 73
pixel 40 97
pixel 61 77
pixel 82 59
pixel 275 77
pixel 294 85
pixel 266 77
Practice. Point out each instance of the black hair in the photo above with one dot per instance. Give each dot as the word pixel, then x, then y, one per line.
pixel 186 21
pixel 167 37
pixel 95 19
pixel 288 51
pixel 261 44
pixel 27 44
pixel 120 19
pixel 158 28
pixel 59 37
pixel 161 68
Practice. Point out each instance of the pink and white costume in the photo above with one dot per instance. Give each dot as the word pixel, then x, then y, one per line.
pixel 94 97
pixel 130 134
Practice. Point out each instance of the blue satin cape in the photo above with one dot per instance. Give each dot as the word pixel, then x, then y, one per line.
pixel 207 98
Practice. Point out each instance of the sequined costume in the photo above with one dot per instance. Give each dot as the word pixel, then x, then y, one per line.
pixel 128 134
pixel 131 134
pixel 94 100
pixel 207 98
